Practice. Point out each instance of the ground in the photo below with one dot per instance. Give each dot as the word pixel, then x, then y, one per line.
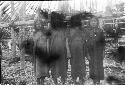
pixel 12 72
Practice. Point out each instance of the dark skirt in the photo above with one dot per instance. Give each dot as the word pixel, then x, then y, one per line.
pixel 42 69
pixel 96 62
pixel 58 45
pixel 95 49
pixel 78 66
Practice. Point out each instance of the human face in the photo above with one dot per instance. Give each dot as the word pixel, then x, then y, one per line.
pixel 93 22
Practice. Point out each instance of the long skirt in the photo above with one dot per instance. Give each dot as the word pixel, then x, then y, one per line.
pixel 96 63
pixel 42 69
pixel 95 48
pixel 77 56
pixel 58 45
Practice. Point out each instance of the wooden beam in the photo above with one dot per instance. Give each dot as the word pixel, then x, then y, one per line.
pixel 114 18
pixel 115 23
pixel 18 23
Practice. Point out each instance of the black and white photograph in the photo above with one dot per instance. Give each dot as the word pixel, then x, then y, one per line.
pixel 62 42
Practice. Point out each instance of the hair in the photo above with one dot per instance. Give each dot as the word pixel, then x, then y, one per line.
pixel 58 19
pixel 75 20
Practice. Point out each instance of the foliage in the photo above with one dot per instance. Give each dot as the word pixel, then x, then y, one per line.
pixel 116 10
pixel 5 33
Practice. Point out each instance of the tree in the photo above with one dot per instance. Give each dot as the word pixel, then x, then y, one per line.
pixel 117 10
pixel 120 9
pixel 108 11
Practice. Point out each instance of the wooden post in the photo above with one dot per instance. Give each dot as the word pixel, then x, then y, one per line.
pixel 12 31
pixel 22 16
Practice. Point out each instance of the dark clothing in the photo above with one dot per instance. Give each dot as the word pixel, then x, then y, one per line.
pixel 58 45
pixel 77 58
pixel 41 68
pixel 95 43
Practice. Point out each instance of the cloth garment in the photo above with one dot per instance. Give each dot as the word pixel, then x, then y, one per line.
pixel 77 57
pixel 95 43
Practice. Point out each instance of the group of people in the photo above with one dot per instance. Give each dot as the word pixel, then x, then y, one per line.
pixel 82 42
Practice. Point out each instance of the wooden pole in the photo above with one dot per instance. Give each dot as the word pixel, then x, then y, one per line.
pixel 12 31
pixel 22 59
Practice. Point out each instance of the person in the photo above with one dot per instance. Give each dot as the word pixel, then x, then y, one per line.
pixel 41 68
pixel 77 45
pixel 95 42
pixel 77 58
pixel 58 45
pixel 56 48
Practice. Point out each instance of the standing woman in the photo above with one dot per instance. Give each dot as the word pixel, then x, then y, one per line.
pixel 58 46
pixel 77 46
pixel 41 68
pixel 59 68
pixel 95 48
pixel 77 57
pixel 40 42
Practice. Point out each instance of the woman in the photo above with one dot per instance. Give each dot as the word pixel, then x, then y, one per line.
pixel 58 45
pixel 56 61
pixel 77 56
pixel 95 42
